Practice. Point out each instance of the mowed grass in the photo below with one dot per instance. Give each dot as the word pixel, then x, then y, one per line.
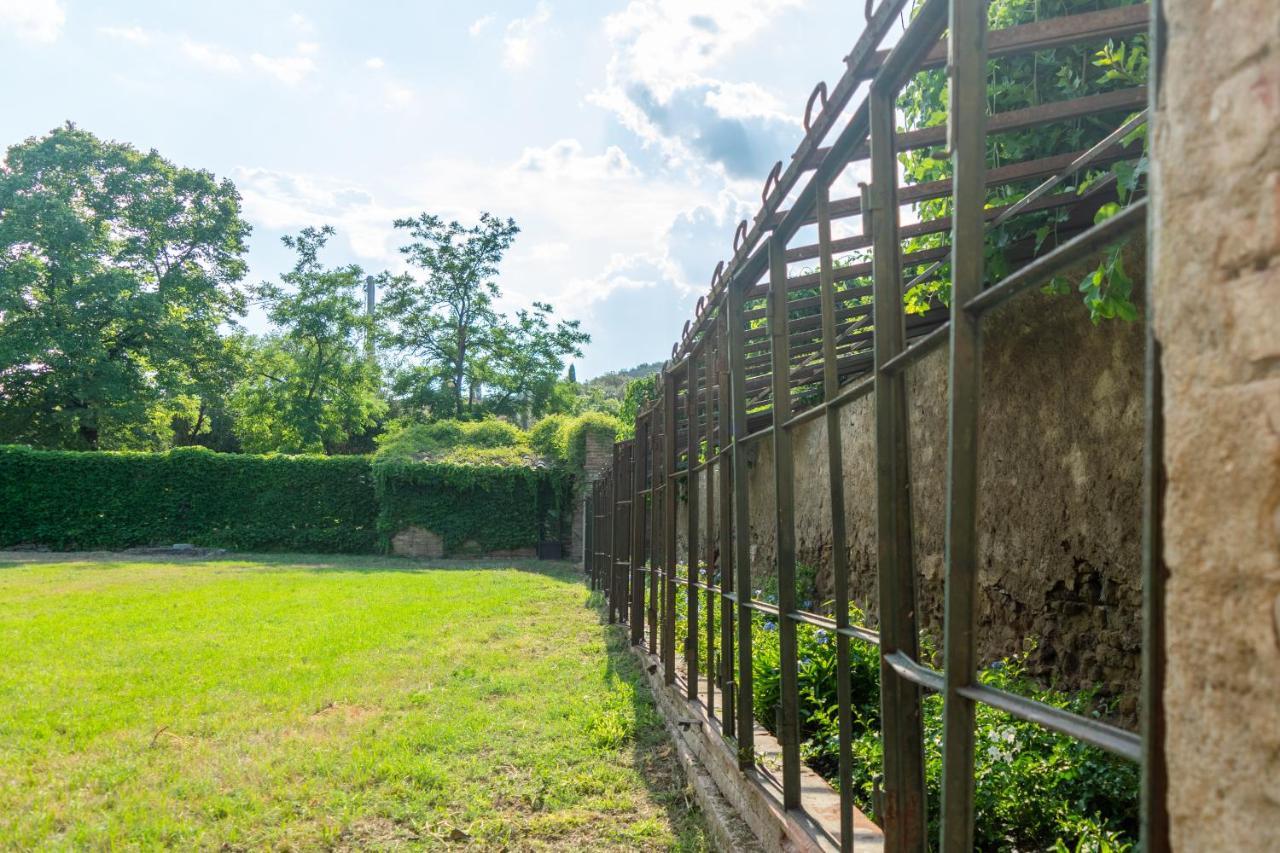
pixel 334 703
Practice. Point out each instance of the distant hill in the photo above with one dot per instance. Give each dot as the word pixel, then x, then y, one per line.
pixel 614 383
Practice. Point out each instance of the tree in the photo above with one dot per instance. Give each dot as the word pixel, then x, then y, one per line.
pixel 527 358
pixel 311 385
pixel 116 270
pixel 460 355
pixel 448 320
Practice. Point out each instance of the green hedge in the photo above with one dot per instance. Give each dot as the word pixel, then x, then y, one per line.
pixel 72 500
pixel 473 508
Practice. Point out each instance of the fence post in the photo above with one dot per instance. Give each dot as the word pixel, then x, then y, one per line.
pixel 835 477
pixel 901 722
pixel 725 476
pixel 669 527
pixel 784 516
pixel 691 526
pixel 636 598
pixel 734 299
pixel 967 61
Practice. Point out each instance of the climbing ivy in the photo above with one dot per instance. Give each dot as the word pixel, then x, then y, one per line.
pixel 473 508
pixel 83 500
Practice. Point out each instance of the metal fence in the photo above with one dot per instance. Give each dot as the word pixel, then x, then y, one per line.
pixel 764 354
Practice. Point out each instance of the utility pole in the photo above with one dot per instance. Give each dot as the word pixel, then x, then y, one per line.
pixel 370 298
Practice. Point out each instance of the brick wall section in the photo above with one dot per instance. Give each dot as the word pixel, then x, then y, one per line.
pixel 1216 268
pixel 599 453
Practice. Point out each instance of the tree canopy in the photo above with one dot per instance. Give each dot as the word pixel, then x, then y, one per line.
pixel 117 269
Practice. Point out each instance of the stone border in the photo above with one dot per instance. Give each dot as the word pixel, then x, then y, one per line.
pixel 744 809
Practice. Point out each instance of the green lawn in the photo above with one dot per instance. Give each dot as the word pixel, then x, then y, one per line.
pixel 318 702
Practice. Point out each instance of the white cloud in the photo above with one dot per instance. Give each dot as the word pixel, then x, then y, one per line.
pixel 479 25
pixel 33 20
pixel 375 63
pixel 661 83
pixel 519 42
pixel 137 35
pixel 307 48
pixel 302 23
pixel 289 70
pixel 210 57
pixel 285 200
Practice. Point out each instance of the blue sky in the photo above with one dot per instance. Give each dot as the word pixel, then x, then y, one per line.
pixel 625 138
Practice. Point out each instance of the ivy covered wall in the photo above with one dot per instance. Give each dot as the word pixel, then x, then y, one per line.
pixel 101 500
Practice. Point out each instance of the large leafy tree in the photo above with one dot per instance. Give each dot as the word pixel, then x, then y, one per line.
pixel 116 270
pixel 527 358
pixel 311 387
pixel 460 355
pixel 446 321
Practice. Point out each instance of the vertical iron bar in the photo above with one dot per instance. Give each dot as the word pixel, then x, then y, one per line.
pixel 636 556
pixel 655 537
pixel 835 476
pixel 1154 834
pixel 784 491
pixel 967 131
pixel 691 528
pixel 734 298
pixel 902 728
pixel 669 527
pixel 709 542
pixel 588 541
pixel 725 475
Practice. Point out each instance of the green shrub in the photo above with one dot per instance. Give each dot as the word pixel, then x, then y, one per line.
pixel 574 432
pixel 455 441
pixel 83 500
pixel 1036 789
pixel 544 436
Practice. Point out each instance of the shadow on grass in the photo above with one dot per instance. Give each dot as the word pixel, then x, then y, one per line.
pixel 653 755
pixel 559 570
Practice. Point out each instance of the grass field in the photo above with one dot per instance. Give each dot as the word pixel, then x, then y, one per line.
pixel 338 703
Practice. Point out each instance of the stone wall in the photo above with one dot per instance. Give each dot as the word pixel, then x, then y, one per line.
pixel 1216 288
pixel 1061 475
pixel 598 453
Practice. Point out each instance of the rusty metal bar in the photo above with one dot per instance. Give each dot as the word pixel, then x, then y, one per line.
pixel 741 520
pixel 691 529
pixel 724 472
pixel 636 598
pixel 901 719
pixel 655 534
pixel 669 528
pixel 967 126
pixel 784 517
pixel 835 484
pixel 708 487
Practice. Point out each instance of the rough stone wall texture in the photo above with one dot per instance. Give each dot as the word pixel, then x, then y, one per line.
pixel 1216 267
pixel 1061 475
pixel 599 453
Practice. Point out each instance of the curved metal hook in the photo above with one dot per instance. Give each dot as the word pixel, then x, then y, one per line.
pixel 739 235
pixel 770 182
pixel 819 91
pixel 867 11
pixel 715 276
pixel 685 332
pixel 702 305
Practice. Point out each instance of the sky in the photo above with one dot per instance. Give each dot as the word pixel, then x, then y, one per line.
pixel 625 138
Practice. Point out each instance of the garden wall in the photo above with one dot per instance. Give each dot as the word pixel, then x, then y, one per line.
pixel 73 500
pixel 101 500
pixel 1061 475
